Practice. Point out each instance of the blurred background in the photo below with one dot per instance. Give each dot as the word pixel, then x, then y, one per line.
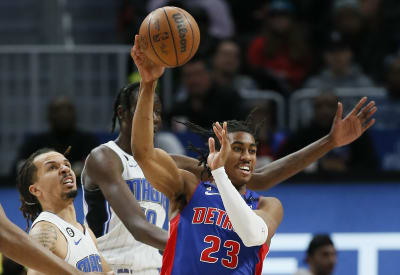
pixel 62 63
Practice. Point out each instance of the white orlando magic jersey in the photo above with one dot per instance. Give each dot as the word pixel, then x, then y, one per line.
pixel 82 252
pixel 117 245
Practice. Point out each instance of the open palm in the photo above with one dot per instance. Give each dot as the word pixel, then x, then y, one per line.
pixel 345 131
pixel 215 158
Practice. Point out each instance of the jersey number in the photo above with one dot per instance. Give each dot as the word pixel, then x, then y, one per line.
pixel 232 252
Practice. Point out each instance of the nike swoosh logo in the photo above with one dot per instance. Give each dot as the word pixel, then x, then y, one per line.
pixel 76 243
pixel 209 193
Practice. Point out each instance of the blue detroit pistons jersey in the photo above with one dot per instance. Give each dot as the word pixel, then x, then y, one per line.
pixel 202 240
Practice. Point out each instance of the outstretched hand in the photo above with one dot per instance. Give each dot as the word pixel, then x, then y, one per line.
pixel 345 131
pixel 216 159
pixel 148 70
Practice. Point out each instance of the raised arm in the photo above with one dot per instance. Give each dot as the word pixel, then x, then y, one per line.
pixel 103 168
pixel 343 132
pixel 158 167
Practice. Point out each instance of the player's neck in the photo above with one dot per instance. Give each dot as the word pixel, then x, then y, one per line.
pixel 67 213
pixel 124 143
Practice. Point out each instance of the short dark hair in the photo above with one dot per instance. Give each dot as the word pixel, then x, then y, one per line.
pixel 30 206
pixel 318 241
pixel 126 97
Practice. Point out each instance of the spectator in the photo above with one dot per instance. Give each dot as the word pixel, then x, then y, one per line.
pixel 358 157
pixel 369 27
pixel 339 69
pixel 130 16
pixel 280 56
pixel 226 67
pixel 386 132
pixel 320 257
pixel 203 101
pixel 63 132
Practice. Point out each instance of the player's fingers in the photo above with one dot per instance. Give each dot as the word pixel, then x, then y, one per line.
pixel 339 112
pixel 217 132
pixel 218 125
pixel 362 115
pixel 371 112
pixel 368 125
pixel 211 145
pixel 358 106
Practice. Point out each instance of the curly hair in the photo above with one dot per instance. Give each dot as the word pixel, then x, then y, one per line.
pixel 248 126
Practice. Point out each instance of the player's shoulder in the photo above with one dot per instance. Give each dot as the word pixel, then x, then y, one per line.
pixel 42 226
pixel 268 202
pixel 102 155
pixel 49 236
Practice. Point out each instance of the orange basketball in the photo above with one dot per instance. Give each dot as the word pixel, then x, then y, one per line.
pixel 169 36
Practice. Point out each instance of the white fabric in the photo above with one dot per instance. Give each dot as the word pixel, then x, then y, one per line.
pixel 80 245
pixel 250 227
pixel 119 248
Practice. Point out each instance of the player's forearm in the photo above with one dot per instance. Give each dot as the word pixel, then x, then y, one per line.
pixel 17 245
pixel 250 227
pixel 142 123
pixel 152 235
pixel 282 169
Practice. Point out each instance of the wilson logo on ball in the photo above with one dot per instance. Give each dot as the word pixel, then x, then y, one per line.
pixel 178 18
pixel 172 36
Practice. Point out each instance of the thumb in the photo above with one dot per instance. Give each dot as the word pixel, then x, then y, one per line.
pixel 339 112
pixel 211 145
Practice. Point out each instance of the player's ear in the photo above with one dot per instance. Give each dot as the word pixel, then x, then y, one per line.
pixel 34 190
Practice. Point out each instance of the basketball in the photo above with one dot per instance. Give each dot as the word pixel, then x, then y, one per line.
pixel 169 36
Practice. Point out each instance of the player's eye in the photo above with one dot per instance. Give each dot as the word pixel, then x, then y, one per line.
pixel 237 149
pixel 252 151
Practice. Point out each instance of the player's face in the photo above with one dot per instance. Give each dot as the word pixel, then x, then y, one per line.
pixel 323 260
pixel 54 180
pixel 242 158
pixel 157 108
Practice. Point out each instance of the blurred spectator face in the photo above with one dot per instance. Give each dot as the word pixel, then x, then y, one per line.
pixel 325 106
pixel 279 23
pixel 279 16
pixel 348 21
pixel 339 60
pixel 227 57
pixel 393 76
pixel 196 78
pixel 323 260
pixel 369 8
pixel 62 115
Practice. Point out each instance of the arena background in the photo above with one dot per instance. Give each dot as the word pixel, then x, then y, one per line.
pixel 81 49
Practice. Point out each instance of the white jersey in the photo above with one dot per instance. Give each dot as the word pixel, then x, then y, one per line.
pixel 82 252
pixel 115 242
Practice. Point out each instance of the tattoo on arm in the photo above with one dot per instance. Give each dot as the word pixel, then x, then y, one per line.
pixel 46 236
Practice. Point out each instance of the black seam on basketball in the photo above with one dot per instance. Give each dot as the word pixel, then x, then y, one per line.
pixel 190 54
pixel 172 35
pixel 151 43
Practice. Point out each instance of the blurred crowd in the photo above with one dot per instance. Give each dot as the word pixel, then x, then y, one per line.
pixel 279 46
